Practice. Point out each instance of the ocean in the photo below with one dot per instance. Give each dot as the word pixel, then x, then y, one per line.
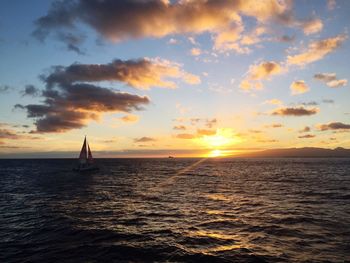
pixel 176 210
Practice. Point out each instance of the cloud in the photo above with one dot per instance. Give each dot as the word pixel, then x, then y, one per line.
pixel 129 118
pixel 310 103
pixel 305 129
pixel 172 41
pixel 185 136
pixel 286 39
pixel 331 80
pixel 132 19
pixel 210 122
pixel 9 134
pixel 273 102
pixel 317 50
pixel 312 26
pixel 258 72
pixel 297 111
pixel 299 87
pixel 333 126
pixel 329 101
pixel 4 88
pixel 307 136
pixel 144 139
pixel 72 41
pixel 196 51
pixel 180 127
pixel 331 4
pixel 274 125
pixel 141 73
pixel 70 103
pixel 30 90
pixel 206 132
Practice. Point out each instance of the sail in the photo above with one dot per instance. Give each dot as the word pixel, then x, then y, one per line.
pixel 90 159
pixel 83 153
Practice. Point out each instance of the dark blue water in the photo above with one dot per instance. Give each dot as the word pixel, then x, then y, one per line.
pixel 176 210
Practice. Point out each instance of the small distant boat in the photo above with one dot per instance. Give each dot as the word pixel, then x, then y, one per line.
pixel 86 162
pixel 170 157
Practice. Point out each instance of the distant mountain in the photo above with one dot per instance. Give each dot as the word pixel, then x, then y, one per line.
pixel 300 152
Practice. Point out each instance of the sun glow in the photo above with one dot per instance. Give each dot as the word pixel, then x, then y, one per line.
pixel 223 137
pixel 215 153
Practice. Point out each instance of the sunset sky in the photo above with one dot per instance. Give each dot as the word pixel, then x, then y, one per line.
pixel 183 78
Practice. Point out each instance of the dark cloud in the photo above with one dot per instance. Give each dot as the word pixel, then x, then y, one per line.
pixel 333 126
pixel 310 103
pixel 125 19
pixel 305 129
pixel 276 125
pixel 30 90
pixel 331 80
pixel 141 73
pixel 144 139
pixel 70 106
pixel 9 134
pixel 211 122
pixel 286 39
pixel 306 136
pixel 72 41
pixel 328 101
pixel 4 88
pixel 69 102
pixel 297 111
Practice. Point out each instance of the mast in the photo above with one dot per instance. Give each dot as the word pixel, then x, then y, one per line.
pixel 83 153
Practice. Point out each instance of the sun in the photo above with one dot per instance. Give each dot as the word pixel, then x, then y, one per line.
pixel 215 153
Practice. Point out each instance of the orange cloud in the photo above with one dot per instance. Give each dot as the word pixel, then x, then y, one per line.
pixel 316 50
pixel 185 136
pixel 312 26
pixel 299 87
pixel 130 118
pixel 273 102
pixel 256 73
pixel 121 20
pixel 206 132
pixel 196 51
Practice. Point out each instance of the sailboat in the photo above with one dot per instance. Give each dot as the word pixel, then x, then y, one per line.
pixel 86 162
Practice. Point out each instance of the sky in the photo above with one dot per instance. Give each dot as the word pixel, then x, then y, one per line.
pixel 185 78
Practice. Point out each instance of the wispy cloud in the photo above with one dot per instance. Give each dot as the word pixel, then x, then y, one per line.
pixel 316 50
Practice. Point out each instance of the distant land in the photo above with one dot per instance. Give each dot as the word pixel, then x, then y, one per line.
pixel 306 152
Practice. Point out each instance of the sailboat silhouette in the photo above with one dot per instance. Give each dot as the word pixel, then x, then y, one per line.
pixel 86 162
